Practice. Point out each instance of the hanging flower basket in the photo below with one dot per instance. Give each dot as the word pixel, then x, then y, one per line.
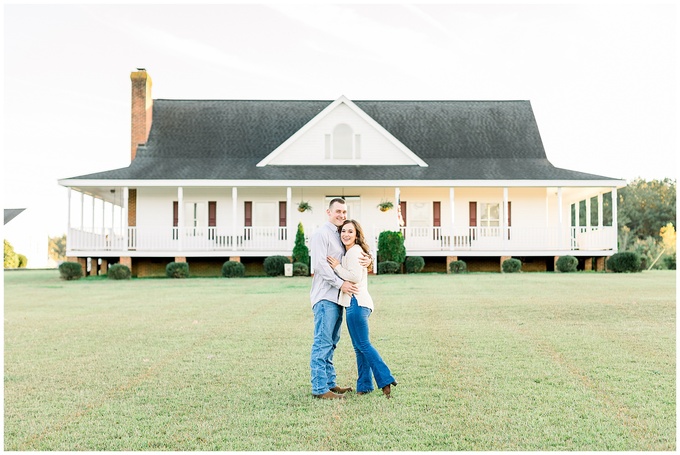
pixel 385 206
pixel 304 206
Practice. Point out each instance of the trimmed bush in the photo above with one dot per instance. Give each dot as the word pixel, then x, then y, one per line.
pixel 566 264
pixel 233 269
pixel 414 264
pixel 70 271
pixel 177 270
pixel 458 267
pixel 300 269
pixel 300 250
pixel 23 261
pixel 512 265
pixel 388 267
pixel 391 247
pixel 624 262
pixel 119 272
pixel 273 265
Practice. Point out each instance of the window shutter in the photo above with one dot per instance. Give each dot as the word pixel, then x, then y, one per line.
pixel 282 214
pixel 212 213
pixel 175 213
pixel 473 213
pixel 248 212
pixel 437 213
pixel 402 204
pixel 509 217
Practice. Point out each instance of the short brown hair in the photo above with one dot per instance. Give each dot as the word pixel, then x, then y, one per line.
pixel 339 200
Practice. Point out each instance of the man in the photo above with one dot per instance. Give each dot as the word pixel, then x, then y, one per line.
pixel 326 287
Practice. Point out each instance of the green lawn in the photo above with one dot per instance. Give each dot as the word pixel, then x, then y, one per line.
pixel 533 361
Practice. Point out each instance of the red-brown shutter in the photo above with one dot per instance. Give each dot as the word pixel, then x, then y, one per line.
pixel 402 204
pixel 473 219
pixel 473 213
pixel 175 213
pixel 509 217
pixel 282 214
pixel 436 214
pixel 248 211
pixel 212 213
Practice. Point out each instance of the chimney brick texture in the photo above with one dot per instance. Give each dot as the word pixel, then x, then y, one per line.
pixel 142 108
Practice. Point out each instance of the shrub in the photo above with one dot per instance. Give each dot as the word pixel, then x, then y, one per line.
pixel 23 261
pixel 458 267
pixel 233 269
pixel 119 272
pixel 70 270
pixel 414 264
pixel 300 250
pixel 567 264
pixel 669 261
pixel 300 269
pixel 388 267
pixel 273 265
pixel 391 247
pixel 512 265
pixel 177 270
pixel 624 262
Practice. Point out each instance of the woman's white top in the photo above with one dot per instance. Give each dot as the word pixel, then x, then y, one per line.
pixel 349 269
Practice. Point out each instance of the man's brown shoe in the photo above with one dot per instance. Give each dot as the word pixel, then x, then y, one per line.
pixel 337 389
pixel 329 396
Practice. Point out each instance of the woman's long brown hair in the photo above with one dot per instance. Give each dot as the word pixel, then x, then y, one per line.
pixel 361 240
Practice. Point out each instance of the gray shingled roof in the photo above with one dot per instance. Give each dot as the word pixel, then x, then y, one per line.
pixel 459 140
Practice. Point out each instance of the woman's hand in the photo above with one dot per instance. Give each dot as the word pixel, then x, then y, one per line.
pixel 332 261
pixel 365 260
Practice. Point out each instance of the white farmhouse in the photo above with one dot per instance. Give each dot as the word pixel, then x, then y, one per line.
pixel 217 180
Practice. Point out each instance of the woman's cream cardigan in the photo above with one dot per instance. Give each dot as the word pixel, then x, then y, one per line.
pixel 350 270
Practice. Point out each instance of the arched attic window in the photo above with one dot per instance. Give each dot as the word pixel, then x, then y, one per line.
pixel 343 144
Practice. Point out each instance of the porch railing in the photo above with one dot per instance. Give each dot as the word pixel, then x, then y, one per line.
pixel 276 239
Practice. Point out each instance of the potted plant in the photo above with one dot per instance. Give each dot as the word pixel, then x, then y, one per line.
pixel 385 206
pixel 304 206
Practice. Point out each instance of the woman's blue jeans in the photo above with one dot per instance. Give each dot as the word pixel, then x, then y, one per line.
pixel 369 362
pixel 327 323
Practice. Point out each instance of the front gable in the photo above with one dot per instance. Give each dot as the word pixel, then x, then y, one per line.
pixel 342 134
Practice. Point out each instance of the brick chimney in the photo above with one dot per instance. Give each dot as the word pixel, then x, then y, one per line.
pixel 142 107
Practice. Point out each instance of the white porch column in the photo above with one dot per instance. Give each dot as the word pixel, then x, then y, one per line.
pixel 103 219
pixel 82 212
pixel 600 209
pixel 180 217
pixel 113 217
pixel 124 218
pixel 93 201
pixel 68 221
pixel 234 214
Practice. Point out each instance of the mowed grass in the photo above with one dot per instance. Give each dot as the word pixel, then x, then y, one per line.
pixel 484 362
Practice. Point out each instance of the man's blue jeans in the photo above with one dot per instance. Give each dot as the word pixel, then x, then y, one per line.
pixel 368 359
pixel 327 323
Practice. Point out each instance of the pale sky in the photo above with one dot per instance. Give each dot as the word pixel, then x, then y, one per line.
pixel 601 77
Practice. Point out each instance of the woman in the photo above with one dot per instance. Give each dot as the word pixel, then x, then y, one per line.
pixel 359 307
